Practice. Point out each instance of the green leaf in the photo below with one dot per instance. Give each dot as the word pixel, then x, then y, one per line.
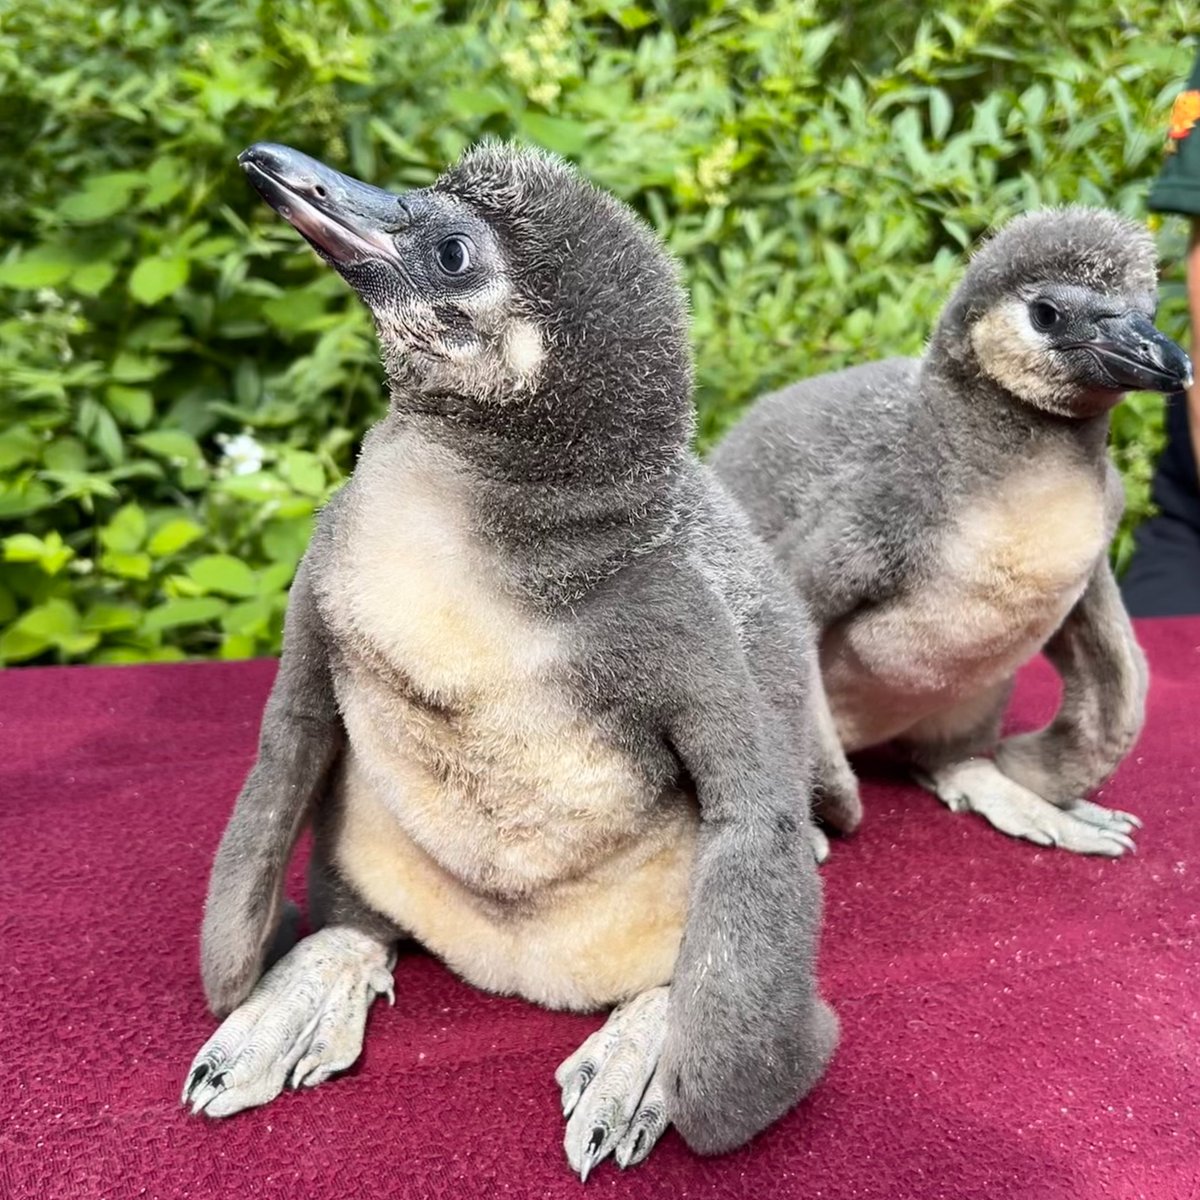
pixel 125 565
pixel 188 611
pixel 66 455
pixel 126 529
pixel 476 102
pixel 134 406
pixel 303 471
pixel 295 311
pixel 22 497
pixel 44 266
pixel 174 445
pixel 157 277
pixel 555 133
pixel 18 444
pixel 136 368
pixel 250 617
pixel 110 618
pixel 237 645
pixel 247 383
pixel 285 541
pixel 941 113
pixel 172 537
pixel 274 579
pixel 143 650
pixel 54 624
pixel 100 197
pixel 258 486
pixel 166 177
pixel 92 278
pixel 633 17
pixel 50 553
pixel 96 424
pixel 224 574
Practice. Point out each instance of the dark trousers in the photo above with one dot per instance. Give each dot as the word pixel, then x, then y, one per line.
pixel 1163 579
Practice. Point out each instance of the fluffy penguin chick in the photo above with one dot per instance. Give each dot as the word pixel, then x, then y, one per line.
pixel 945 519
pixel 543 695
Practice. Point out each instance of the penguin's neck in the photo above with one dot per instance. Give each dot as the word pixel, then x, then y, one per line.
pixel 978 422
pixel 563 517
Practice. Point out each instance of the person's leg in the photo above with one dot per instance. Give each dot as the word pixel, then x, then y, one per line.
pixel 1163 578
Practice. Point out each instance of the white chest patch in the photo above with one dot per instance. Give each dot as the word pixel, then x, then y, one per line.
pixel 478 801
pixel 1011 569
pixel 412 582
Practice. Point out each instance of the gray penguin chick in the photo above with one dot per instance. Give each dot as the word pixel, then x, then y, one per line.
pixel 543 696
pixel 947 518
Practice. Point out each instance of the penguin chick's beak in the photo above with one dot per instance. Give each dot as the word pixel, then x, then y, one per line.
pixel 1131 355
pixel 347 221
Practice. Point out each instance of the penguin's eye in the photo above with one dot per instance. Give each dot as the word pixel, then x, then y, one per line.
pixel 1044 315
pixel 454 255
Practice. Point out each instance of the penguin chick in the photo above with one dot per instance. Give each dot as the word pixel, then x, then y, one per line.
pixel 543 696
pixel 945 519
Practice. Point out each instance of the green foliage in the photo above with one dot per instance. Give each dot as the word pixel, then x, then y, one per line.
pixel 184 384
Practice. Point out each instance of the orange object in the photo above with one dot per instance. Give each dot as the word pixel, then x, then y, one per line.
pixel 1185 112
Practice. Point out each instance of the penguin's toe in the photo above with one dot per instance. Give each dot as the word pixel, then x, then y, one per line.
pixel 303 1022
pixel 611 1092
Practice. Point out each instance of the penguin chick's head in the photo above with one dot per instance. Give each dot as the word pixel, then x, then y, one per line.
pixel 510 293
pixel 1058 309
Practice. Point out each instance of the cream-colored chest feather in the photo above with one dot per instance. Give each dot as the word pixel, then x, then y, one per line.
pixel 413 588
pixel 1009 571
pixel 482 810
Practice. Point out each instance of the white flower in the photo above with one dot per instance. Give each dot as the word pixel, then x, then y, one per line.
pixel 241 453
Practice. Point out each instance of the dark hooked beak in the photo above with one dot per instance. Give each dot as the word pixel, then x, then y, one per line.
pixel 1132 355
pixel 347 221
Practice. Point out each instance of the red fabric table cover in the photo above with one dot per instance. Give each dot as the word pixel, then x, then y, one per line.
pixel 1016 1022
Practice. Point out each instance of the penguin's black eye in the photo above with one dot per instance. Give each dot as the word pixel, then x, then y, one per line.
pixel 454 255
pixel 1044 315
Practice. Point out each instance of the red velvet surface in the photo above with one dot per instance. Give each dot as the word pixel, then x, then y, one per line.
pixel 1016 1022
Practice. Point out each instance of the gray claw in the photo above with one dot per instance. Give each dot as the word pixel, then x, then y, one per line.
pixel 648 1125
pixel 575 1088
pixel 629 1154
pixel 597 1151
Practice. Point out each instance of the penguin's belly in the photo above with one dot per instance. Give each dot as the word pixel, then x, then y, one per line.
pixel 479 807
pixel 565 883
pixel 1007 574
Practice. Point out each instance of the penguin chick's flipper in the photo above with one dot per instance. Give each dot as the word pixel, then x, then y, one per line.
pixel 979 786
pixel 302 1023
pixel 836 799
pixel 300 740
pixel 612 1093
pixel 1105 679
pixel 747 1031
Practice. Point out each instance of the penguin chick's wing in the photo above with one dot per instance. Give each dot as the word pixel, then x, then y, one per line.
pixel 747 1032
pixel 1105 678
pixel 300 740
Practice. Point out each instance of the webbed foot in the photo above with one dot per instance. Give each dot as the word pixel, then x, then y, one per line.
pixel 979 786
pixel 303 1022
pixel 611 1094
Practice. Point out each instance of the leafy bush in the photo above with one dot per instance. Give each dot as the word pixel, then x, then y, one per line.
pixel 184 383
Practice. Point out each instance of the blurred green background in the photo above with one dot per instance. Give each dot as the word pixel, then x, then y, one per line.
pixel 183 383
